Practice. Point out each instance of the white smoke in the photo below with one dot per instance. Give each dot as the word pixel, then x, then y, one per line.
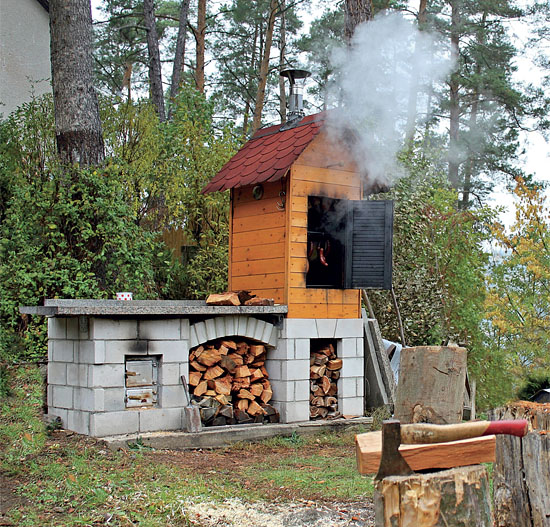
pixel 389 60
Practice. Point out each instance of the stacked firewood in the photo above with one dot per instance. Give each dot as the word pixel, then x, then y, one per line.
pixel 230 377
pixel 324 373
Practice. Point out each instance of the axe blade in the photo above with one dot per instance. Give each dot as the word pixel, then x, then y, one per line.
pixel 392 463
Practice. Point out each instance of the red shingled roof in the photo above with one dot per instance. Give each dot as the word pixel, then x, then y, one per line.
pixel 268 155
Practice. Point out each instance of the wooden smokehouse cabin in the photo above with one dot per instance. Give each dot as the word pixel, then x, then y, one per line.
pixel 300 231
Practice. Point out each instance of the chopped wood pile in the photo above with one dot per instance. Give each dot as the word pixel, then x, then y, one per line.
pixel 324 372
pixel 229 381
pixel 237 298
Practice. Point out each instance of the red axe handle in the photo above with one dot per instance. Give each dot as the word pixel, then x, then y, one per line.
pixel 427 433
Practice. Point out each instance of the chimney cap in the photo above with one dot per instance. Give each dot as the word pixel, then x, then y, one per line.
pixel 292 75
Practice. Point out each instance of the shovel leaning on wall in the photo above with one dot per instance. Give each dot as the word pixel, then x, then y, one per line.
pixel 191 412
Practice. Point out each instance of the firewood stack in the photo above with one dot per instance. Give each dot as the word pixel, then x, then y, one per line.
pixel 229 382
pixel 324 373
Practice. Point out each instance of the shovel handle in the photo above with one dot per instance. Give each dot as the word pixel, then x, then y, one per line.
pixel 427 433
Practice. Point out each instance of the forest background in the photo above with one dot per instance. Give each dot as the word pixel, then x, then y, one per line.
pixel 183 84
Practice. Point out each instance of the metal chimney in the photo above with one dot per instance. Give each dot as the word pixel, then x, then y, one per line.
pixel 296 97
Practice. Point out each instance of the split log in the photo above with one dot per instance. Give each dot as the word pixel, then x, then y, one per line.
pixel 317 371
pixel 200 389
pixel 194 378
pixel 197 366
pixel 458 497
pixel 223 386
pixel 334 364
pixel 242 404
pixel 520 474
pixel 325 384
pixel 228 364
pixel 236 358
pixel 223 299
pixel 245 394
pixel 425 456
pixel 431 385
pixel 256 375
pixel 240 383
pixel 213 373
pixel 229 344
pixel 256 389
pixel 242 371
pixel 266 396
pixel 209 357
pixel 255 409
pixel 256 350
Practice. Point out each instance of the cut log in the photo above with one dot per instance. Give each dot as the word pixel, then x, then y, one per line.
pixel 256 350
pixel 223 299
pixel 223 386
pixel 213 373
pixel 333 390
pixel 318 391
pixel 264 371
pixel 194 378
pixel 258 364
pixel 231 344
pixel 334 375
pixel 200 389
pixel 248 359
pixel 255 409
pixel 318 401
pixel 266 396
pixel 222 399
pixel 209 357
pixel 210 393
pixel 260 302
pixel 452 498
pixel 319 359
pixel 241 415
pixel 431 385
pixel 226 411
pixel 242 348
pixel 334 364
pixel 244 295
pixel 245 394
pixel 426 456
pixel 242 371
pixel 518 475
pixel 198 350
pixel 256 389
pixel 224 350
pixel 331 401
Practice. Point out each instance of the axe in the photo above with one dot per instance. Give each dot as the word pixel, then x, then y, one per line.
pixel 394 434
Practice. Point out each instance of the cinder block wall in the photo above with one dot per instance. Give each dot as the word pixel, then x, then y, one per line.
pixel 86 373
pixel 86 367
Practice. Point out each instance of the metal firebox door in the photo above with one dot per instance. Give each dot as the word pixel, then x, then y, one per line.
pixel 141 382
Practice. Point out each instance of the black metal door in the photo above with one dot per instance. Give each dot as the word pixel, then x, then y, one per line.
pixel 369 239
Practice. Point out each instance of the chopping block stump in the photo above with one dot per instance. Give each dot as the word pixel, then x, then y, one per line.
pixel 458 497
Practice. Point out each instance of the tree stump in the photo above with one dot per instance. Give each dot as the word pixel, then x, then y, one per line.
pixel 521 472
pixel 431 385
pixel 458 497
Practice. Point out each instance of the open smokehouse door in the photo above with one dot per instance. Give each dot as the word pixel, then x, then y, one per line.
pixel 349 243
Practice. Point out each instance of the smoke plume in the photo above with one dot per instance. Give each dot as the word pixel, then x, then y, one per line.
pixel 389 64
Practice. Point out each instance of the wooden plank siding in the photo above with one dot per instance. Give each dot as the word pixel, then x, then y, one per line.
pixel 258 242
pixel 319 171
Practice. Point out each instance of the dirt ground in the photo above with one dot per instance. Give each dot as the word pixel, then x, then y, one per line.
pixel 278 506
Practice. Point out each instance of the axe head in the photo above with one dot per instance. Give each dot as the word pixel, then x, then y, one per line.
pixel 392 463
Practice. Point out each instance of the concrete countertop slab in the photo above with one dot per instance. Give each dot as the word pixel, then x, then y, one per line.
pixel 85 307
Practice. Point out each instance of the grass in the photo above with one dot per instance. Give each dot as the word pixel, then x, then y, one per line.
pixel 66 479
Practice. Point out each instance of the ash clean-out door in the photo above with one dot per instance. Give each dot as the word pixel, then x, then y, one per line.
pixel 369 242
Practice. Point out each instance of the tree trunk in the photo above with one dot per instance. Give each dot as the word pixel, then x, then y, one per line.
pixel 520 475
pixel 200 36
pixel 77 124
pixel 413 96
pixel 155 74
pixel 431 385
pixel 264 66
pixel 459 497
pixel 282 52
pixel 356 12
pixel 179 55
pixel 249 90
pixel 454 85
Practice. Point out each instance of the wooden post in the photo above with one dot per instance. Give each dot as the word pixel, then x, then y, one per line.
pixel 521 475
pixel 431 385
pixel 458 497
